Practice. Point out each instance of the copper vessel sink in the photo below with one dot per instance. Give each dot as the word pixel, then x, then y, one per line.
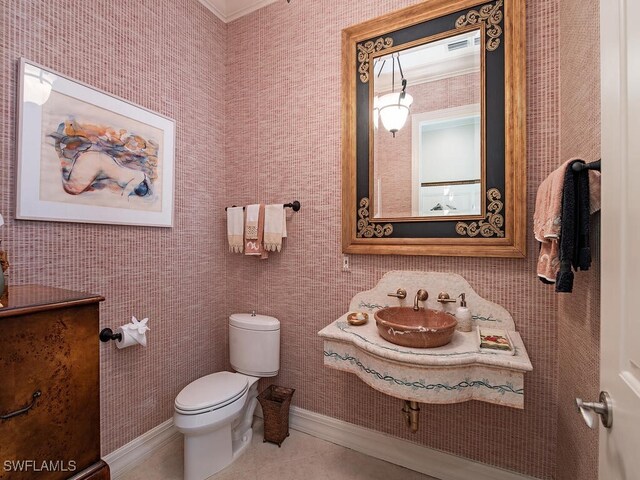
pixel 422 328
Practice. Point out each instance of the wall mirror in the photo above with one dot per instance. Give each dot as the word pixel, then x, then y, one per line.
pixel 434 131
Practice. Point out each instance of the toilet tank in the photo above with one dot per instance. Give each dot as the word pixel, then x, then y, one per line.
pixel 254 344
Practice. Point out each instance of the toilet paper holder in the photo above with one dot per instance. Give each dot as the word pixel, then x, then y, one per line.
pixel 107 334
pixel 128 335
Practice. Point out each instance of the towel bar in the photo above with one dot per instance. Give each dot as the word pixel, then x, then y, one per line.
pixel 578 167
pixel 295 206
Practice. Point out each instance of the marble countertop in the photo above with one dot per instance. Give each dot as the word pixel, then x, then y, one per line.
pixel 464 348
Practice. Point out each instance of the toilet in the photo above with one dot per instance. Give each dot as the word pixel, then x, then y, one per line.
pixel 215 412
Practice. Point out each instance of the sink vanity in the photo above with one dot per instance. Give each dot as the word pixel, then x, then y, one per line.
pixel 455 372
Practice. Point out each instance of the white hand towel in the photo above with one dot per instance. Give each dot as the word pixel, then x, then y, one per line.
pixel 235 229
pixel 274 227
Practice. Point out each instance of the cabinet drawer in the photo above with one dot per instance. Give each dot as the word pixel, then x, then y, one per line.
pixel 54 352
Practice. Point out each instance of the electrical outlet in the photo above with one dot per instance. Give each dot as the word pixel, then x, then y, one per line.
pixel 345 263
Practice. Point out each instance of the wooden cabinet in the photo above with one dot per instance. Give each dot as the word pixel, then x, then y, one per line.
pixel 49 344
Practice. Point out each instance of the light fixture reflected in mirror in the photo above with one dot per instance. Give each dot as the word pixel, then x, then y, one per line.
pixel 393 108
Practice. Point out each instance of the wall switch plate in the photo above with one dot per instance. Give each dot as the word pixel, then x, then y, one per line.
pixel 345 263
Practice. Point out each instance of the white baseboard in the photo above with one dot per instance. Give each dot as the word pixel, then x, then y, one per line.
pixel 128 456
pixel 435 463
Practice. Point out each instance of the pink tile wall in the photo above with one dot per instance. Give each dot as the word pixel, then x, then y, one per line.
pixel 283 143
pixel 167 56
pixel 579 312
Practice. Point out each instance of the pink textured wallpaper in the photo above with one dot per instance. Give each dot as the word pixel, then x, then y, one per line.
pixel 257 110
pixel 393 154
pixel 169 57
pixel 283 143
pixel 579 312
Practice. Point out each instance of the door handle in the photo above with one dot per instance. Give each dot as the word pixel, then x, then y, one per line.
pixel 604 408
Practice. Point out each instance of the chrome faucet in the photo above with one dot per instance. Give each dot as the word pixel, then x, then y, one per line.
pixel 421 296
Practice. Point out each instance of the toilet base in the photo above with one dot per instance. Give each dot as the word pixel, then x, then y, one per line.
pixel 199 460
pixel 241 445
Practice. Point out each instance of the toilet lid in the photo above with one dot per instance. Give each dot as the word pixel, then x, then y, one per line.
pixel 250 321
pixel 212 390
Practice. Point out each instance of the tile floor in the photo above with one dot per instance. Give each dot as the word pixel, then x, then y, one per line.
pixel 302 457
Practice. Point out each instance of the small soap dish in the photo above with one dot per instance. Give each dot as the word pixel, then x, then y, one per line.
pixel 495 341
pixel 357 318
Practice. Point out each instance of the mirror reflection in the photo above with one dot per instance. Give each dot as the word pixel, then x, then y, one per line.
pixel 427 130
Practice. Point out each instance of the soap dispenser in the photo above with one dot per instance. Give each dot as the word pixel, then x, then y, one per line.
pixel 463 315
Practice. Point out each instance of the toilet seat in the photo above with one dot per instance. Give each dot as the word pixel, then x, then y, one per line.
pixel 211 392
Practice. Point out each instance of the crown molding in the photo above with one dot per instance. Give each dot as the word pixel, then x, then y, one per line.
pixel 230 10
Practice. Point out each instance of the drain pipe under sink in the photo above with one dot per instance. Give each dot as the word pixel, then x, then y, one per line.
pixel 411 412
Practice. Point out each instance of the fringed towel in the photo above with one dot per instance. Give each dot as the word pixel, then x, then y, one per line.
pixel 275 227
pixel 235 229
pixel 547 222
pixel 254 231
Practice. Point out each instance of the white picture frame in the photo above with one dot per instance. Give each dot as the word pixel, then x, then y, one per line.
pixel 88 156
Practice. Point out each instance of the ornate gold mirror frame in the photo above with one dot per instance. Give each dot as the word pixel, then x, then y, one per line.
pixel 501 230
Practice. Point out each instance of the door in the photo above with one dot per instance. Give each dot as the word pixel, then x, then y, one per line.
pixel 620 314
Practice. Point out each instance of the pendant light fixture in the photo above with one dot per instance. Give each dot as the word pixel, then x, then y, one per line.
pixel 393 107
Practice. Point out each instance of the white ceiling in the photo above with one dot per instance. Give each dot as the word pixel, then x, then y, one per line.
pixel 229 10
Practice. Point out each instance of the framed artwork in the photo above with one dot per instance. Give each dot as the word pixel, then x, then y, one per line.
pixel 87 156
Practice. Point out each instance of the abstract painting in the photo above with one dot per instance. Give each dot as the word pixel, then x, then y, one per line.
pixel 87 156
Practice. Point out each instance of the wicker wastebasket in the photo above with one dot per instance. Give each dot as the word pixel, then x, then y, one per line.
pixel 275 403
